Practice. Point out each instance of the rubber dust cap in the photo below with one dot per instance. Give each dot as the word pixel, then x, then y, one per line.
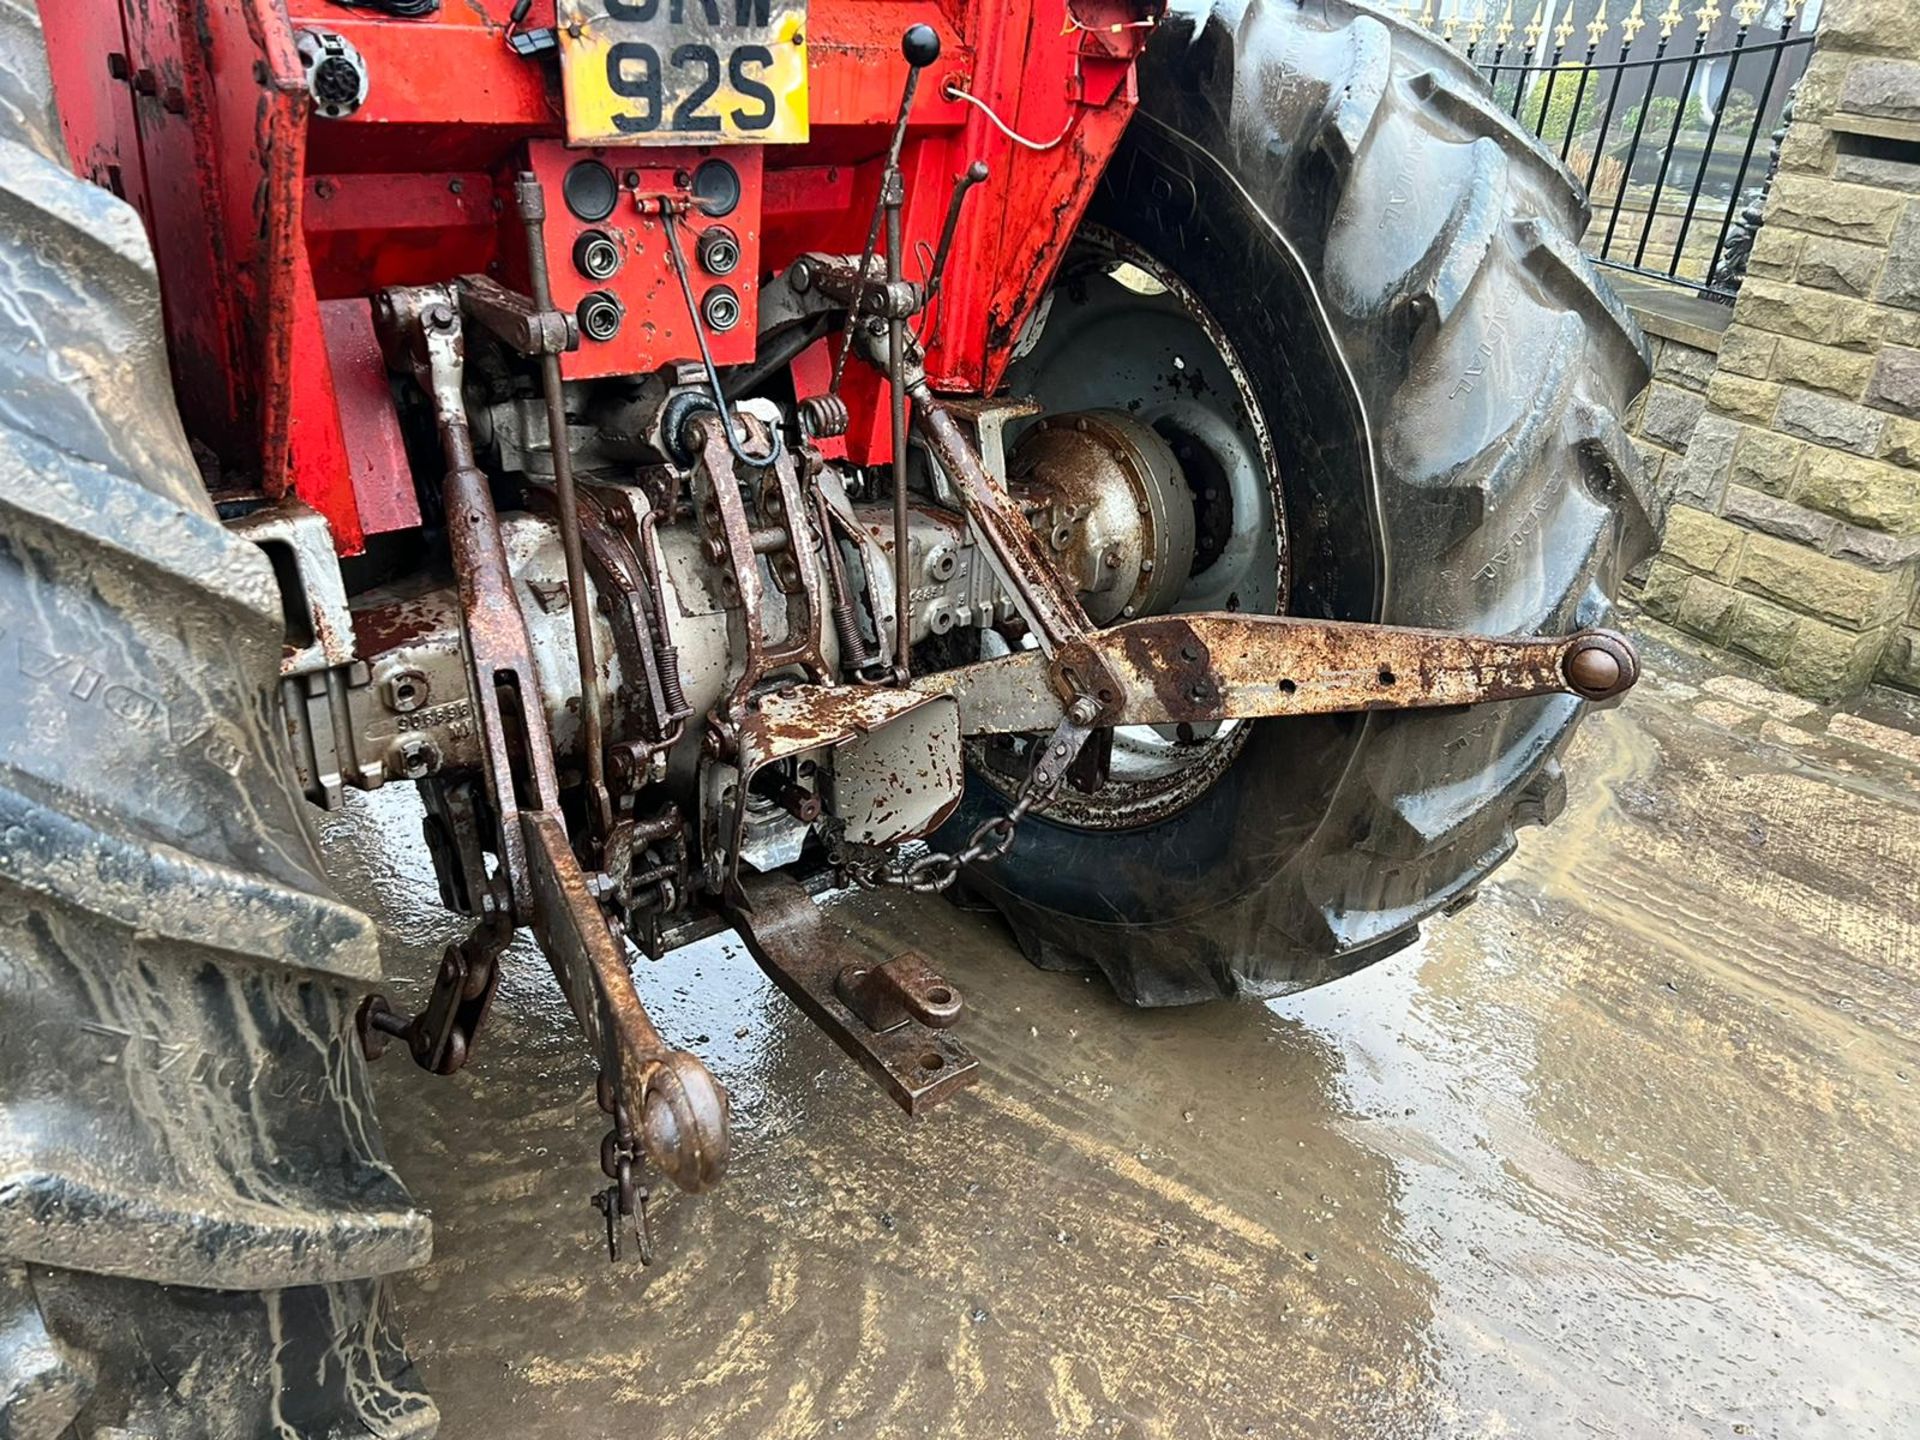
pixel 921 46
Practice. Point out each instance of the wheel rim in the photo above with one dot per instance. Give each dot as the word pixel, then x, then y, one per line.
pixel 1121 331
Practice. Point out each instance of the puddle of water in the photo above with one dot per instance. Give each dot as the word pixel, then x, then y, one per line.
pixel 1623 1150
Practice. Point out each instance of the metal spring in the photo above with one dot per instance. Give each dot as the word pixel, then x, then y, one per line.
pixel 853 645
pixel 670 688
pixel 823 415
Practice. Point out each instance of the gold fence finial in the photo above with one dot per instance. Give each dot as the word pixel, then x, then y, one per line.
pixel 1503 32
pixel 1708 15
pixel 1670 19
pixel 1597 27
pixel 1563 32
pixel 1635 22
pixel 1477 26
pixel 1536 27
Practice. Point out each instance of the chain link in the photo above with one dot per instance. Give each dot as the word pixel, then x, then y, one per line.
pixel 993 837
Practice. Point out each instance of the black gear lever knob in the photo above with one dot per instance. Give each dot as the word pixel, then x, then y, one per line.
pixel 921 46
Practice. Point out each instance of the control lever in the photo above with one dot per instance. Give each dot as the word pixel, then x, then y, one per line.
pixel 921 47
pixel 975 173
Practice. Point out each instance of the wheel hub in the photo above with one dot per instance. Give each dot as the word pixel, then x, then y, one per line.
pixel 1109 499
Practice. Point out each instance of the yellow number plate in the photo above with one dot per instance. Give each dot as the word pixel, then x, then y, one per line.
pixel 684 72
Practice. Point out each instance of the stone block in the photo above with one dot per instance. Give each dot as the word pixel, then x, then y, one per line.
pixel 1900 281
pixel 1767 461
pixel 1703 542
pixel 1824 663
pixel 1666 583
pixel 1837 424
pixel 1829 207
pixel 1743 399
pixel 1903 328
pixel 1867 492
pixel 1871 27
pixel 1840 265
pixel 1816 584
pixel 1670 415
pixel 1880 174
pixel 1874 549
pixel 1762 629
pixel 1809 149
pixel 1683 365
pixel 1707 609
pixel 1776 252
pixel 1821 367
pixel 1816 315
pixel 1700 475
pixel 1895 383
pixel 1746 351
pixel 1882 87
pixel 1901 444
pixel 1773 516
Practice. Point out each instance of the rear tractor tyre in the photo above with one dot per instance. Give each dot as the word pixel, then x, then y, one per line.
pixel 1345 288
pixel 195 1208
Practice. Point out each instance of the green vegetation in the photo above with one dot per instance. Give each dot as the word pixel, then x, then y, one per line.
pixel 1559 119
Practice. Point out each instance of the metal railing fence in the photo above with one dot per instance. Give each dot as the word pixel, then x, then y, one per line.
pixel 1664 131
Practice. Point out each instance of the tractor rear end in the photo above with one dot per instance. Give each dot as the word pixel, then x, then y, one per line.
pixel 722 452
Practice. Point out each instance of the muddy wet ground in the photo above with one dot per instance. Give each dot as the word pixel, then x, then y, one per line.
pixel 1626 1148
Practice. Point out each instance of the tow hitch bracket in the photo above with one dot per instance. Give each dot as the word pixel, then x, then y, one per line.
pixel 891 1017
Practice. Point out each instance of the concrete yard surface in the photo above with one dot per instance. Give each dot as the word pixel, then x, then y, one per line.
pixel 1624 1149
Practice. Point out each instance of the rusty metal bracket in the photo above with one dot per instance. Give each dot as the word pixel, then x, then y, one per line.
pixel 904 990
pixel 515 319
pixel 730 546
pixel 810 961
pixel 1195 668
pixel 440 1038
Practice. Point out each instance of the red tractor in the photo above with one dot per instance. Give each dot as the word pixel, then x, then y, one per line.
pixel 1160 473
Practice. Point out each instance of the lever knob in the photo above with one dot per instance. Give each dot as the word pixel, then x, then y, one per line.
pixel 921 46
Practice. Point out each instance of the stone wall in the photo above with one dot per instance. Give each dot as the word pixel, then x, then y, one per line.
pixel 1795 533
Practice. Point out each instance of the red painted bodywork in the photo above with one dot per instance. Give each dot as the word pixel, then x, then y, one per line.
pixel 270 223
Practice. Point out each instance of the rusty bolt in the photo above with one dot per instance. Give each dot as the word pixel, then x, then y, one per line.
pixel 1084 710
pixel 716 549
pixel 1146 567
pixel 437 316
pixel 406 691
pixel 415 759
pixel 1111 559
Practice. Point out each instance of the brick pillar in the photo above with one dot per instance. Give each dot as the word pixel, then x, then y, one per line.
pixel 1795 533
